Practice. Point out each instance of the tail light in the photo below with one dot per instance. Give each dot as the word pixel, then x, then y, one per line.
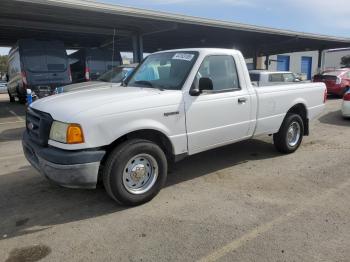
pixel 325 96
pixel 87 73
pixel 347 97
pixel 338 81
pixel 24 77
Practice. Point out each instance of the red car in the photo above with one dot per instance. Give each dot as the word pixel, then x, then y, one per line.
pixel 337 81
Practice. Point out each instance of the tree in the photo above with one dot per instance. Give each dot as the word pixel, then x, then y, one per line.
pixel 345 61
pixel 3 64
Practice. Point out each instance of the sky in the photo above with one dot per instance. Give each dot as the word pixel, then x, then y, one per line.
pixel 312 16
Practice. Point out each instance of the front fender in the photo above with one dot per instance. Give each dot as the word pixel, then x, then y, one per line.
pixel 105 130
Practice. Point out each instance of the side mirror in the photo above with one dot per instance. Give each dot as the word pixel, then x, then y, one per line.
pixel 205 84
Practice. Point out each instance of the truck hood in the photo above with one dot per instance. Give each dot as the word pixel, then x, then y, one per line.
pixel 86 86
pixel 103 98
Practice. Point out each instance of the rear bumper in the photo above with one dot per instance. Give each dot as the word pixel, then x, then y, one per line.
pixel 346 109
pixel 73 169
pixel 335 90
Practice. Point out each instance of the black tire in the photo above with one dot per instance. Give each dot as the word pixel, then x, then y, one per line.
pixel 22 100
pixel 346 89
pixel 116 162
pixel 280 139
pixel 12 98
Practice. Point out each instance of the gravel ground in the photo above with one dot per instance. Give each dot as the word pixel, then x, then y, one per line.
pixel 243 202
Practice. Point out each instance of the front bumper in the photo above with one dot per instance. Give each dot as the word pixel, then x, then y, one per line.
pixel 73 169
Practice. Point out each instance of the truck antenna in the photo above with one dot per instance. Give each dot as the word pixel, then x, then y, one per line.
pixel 113 44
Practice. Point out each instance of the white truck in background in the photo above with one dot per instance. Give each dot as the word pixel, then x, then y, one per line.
pixel 176 103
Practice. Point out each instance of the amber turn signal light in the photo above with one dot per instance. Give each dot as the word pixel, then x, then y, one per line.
pixel 75 134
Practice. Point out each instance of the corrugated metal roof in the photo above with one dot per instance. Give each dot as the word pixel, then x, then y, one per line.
pixel 89 23
pixel 171 17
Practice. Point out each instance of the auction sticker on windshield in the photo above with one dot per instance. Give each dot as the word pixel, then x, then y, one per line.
pixel 183 56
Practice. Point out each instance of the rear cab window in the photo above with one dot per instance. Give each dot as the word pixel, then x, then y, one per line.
pixel 288 77
pixel 332 73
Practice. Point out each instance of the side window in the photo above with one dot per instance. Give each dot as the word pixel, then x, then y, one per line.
pixel 276 78
pixel 221 69
pixel 288 77
pixel 14 64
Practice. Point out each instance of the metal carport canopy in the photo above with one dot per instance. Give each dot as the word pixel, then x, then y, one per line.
pixel 89 23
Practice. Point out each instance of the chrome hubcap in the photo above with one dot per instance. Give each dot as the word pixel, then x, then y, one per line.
pixel 293 134
pixel 140 174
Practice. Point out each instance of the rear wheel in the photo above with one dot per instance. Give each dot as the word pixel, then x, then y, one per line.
pixel 290 135
pixel 135 172
pixel 12 98
pixel 22 99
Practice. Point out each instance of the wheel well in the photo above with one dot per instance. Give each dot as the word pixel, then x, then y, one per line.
pixel 300 109
pixel 152 135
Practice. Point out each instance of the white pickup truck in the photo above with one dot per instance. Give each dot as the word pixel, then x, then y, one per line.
pixel 175 104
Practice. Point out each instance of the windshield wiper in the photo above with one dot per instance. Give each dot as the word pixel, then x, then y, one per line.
pixel 149 84
pixel 144 83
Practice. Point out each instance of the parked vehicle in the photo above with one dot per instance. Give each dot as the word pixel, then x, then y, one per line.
pixel 37 65
pixel 88 64
pixel 115 76
pixel 337 81
pixel 176 103
pixel 118 74
pixel 270 78
pixel 346 105
pixel 3 87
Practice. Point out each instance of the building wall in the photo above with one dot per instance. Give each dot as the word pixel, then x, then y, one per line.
pixel 332 58
pixel 295 61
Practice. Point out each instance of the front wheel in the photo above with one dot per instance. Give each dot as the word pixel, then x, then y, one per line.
pixel 135 172
pixel 290 135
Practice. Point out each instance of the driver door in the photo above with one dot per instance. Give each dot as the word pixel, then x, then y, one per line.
pixel 222 115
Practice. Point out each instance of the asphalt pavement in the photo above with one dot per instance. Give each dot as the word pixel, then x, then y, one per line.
pixel 243 202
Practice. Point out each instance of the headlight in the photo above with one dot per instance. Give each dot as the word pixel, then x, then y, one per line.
pixel 66 133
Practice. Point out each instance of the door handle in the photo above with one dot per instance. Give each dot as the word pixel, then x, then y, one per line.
pixel 242 100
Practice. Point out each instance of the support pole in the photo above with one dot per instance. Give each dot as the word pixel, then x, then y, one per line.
pixel 137 45
pixel 255 60
pixel 267 62
pixel 320 64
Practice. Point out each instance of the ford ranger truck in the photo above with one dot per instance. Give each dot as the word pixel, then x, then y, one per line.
pixel 175 104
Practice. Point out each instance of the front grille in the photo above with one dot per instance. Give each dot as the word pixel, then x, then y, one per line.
pixel 38 125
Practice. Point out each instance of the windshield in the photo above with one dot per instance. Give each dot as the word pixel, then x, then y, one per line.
pixel 332 73
pixel 167 70
pixel 116 75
